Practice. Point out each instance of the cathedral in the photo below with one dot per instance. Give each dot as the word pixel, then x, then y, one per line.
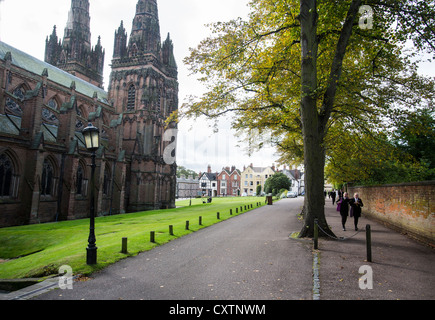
pixel 45 105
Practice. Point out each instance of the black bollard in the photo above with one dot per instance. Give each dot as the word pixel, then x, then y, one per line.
pixel 124 245
pixel 369 243
pixel 152 236
pixel 171 230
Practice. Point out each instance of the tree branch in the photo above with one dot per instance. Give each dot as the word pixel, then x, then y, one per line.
pixel 337 65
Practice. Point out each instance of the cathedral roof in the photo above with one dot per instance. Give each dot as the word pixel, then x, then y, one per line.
pixel 36 66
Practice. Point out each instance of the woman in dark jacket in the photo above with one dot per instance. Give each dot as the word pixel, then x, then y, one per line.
pixel 344 209
pixel 356 205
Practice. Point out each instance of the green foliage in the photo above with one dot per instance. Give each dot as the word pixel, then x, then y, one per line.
pixel 415 135
pixel 187 172
pixel 277 182
pixel 252 70
pixel 258 191
pixel 405 155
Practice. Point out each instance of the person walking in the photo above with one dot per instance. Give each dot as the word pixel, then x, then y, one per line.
pixel 344 209
pixel 355 207
pixel 333 196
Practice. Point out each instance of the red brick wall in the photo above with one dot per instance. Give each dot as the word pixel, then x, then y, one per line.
pixel 408 207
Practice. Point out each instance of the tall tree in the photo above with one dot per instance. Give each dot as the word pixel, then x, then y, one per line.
pixel 309 71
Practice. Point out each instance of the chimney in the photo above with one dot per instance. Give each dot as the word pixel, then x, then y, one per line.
pixel 209 169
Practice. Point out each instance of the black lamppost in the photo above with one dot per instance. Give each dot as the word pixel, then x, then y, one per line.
pixel 92 140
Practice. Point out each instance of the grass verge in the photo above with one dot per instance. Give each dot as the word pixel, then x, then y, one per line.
pixel 37 251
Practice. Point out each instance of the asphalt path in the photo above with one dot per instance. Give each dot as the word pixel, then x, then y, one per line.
pixel 248 257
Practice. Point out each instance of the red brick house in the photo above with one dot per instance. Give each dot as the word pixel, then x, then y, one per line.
pixel 229 182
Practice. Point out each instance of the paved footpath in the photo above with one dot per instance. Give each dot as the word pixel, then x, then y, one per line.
pixel 247 257
pixel 402 268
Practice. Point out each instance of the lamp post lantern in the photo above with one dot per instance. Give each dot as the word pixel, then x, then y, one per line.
pixel 92 141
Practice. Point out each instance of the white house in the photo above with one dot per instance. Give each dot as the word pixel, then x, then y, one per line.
pixel 208 183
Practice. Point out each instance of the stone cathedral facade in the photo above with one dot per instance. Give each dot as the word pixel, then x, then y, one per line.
pixel 44 106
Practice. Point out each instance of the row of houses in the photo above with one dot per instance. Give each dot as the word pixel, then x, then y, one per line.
pixel 233 182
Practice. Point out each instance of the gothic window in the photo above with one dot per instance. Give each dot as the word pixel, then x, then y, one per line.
pixel 19 93
pixel 159 98
pixel 47 178
pixel 6 176
pixel 79 112
pixel 52 104
pixel 79 180
pixel 49 116
pixel 79 125
pixel 80 121
pixel 106 182
pixel 131 99
pixel 12 105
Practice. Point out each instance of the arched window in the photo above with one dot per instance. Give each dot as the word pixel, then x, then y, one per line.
pixel 131 99
pixel 47 178
pixel 79 180
pixel 52 103
pixel 13 104
pixel 107 182
pixel 6 176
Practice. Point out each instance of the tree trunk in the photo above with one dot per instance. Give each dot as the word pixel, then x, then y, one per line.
pixel 314 153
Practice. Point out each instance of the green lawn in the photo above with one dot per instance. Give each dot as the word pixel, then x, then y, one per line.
pixel 39 250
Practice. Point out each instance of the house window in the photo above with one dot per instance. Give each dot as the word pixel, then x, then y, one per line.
pixel 131 99
pixel 6 176
pixel 47 178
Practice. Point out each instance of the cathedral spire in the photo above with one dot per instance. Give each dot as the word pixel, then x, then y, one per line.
pixel 145 33
pixel 78 31
pixel 75 54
